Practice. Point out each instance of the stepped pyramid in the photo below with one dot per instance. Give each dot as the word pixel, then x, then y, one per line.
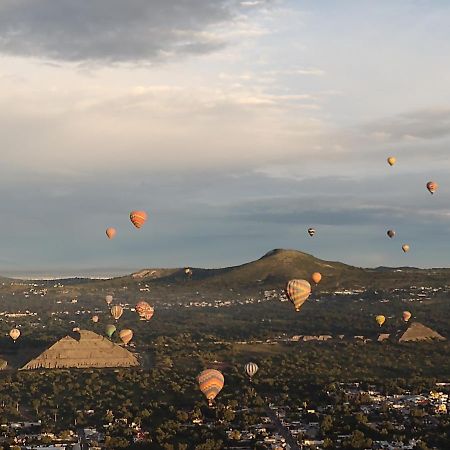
pixel 86 350
pixel 417 332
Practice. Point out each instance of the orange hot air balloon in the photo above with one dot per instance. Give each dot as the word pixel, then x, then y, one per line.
pixel 144 310
pixel 126 336
pixel 210 382
pixel 95 319
pixel 380 320
pixel 116 311
pixel 316 277
pixel 392 160
pixel 298 292
pixel 14 334
pixel 111 232
pixel 138 218
pixel 405 248
pixel 406 316
pixel 432 186
pixel 108 299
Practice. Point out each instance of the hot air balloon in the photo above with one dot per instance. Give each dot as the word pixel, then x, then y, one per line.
pixel 432 186
pixel 111 232
pixel 14 334
pixel 110 330
pixel 405 248
pixel 108 299
pixel 138 218
pixel 116 311
pixel 76 329
pixel 298 292
pixel 392 160
pixel 144 310
pixel 95 319
pixel 251 368
pixel 188 272
pixel 391 233
pixel 406 316
pixel 311 231
pixel 126 336
pixel 380 320
pixel 316 277
pixel 210 382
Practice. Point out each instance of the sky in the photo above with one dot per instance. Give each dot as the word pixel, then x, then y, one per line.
pixel 235 124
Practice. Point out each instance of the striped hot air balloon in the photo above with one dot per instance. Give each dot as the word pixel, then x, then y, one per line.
pixel 117 311
pixel 406 315
pixel 14 334
pixel 126 336
pixel 149 314
pixel 210 382
pixel 311 231
pixel 432 186
pixel 110 330
pixel 298 292
pixel 138 218
pixel 108 299
pixel 111 232
pixel 316 277
pixel 251 368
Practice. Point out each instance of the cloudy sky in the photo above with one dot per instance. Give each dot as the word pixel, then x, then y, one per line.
pixel 235 124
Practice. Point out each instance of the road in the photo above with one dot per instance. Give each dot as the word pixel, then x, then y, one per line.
pixel 283 431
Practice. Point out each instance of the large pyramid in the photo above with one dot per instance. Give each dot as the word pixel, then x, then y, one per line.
pixel 417 332
pixel 84 350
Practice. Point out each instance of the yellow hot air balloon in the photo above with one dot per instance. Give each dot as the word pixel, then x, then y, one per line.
pixel 126 336
pixel 391 160
pixel 108 299
pixel 406 316
pixel 95 319
pixel 14 334
pixel 298 292
pixel 405 248
pixel 432 186
pixel 210 382
pixel 380 320
pixel 116 311
pixel 316 277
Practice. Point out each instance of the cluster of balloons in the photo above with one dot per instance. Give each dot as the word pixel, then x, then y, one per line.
pixel 432 187
pixel 138 219
pixel 211 381
pixel 380 319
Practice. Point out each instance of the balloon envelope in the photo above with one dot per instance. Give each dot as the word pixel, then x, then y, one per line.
pixel 111 232
pixel 95 319
pixel 14 334
pixel 406 316
pixel 380 320
pixel 316 277
pixel 110 330
pixel 138 218
pixel 210 382
pixel 391 160
pixel 298 292
pixel 144 310
pixel 311 231
pixel 391 233
pixel 126 336
pixel 116 311
pixel 108 299
pixel 405 248
pixel 432 186
pixel 251 368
